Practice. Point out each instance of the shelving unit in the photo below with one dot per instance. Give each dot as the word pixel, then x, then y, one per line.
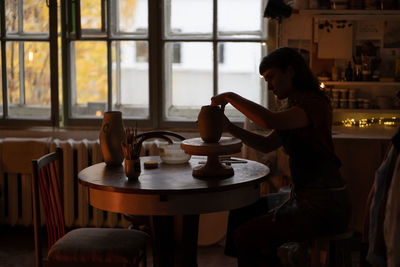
pixel 302 29
pixel 360 83
pixel 363 110
pixel 351 13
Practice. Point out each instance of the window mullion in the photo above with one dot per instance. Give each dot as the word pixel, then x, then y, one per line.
pixel 21 62
pixel 66 85
pixel 21 77
pixel 54 92
pixel 118 72
pixel 215 47
pixel 109 55
pixel 156 78
pixel 3 58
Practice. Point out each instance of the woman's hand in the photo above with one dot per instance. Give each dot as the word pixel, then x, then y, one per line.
pixel 225 123
pixel 221 99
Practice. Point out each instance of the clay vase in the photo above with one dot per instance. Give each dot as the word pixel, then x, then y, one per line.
pixel 209 122
pixel 111 134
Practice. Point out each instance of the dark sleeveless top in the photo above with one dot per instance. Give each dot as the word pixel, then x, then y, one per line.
pixel 312 160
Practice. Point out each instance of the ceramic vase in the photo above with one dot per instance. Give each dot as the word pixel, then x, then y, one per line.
pixel 111 135
pixel 210 123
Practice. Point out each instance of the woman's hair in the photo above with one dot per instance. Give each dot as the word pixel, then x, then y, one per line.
pixel 282 58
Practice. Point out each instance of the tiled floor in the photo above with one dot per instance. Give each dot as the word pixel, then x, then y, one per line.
pixel 17 250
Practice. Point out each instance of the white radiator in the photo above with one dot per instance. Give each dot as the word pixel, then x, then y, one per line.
pixel 15 188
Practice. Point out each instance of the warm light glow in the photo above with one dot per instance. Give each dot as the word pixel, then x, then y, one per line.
pixel 362 123
pixel 263 43
pixel 322 85
pixel 30 56
pixel 98 113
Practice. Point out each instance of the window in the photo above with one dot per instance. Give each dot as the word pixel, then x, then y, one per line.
pixel 156 61
pixel 26 58
pixel 220 46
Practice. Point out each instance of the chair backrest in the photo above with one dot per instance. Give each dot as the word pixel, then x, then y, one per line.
pixel 47 177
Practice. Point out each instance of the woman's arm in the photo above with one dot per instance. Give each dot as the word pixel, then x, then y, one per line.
pixel 261 143
pixel 292 118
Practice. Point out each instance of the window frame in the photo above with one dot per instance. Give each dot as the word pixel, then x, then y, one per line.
pixel 51 38
pixel 215 39
pixel 156 38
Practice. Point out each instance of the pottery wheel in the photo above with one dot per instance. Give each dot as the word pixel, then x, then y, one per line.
pixel 213 167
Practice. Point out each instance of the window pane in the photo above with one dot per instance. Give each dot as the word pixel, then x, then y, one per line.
pixel 36 16
pixel 248 11
pixel 28 79
pixel 189 78
pixel 131 78
pixel 13 74
pixel 189 16
pixel 132 15
pixel 91 14
pixel 11 16
pixel 239 70
pixel 90 95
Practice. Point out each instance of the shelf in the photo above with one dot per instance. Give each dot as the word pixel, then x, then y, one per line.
pixel 361 83
pixel 368 12
pixel 360 110
pixel 351 14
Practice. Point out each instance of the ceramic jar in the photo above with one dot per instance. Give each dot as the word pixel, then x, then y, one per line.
pixel 111 135
pixel 210 123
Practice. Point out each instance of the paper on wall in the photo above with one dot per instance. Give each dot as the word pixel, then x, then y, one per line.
pixel 335 39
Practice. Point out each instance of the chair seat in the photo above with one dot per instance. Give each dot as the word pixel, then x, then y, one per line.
pixel 97 245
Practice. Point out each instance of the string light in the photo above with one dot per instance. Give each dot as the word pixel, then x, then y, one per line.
pixel 364 122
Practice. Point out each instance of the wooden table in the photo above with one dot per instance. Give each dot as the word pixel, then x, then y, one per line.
pixel 172 190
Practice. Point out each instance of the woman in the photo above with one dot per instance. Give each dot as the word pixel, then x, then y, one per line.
pixel 318 203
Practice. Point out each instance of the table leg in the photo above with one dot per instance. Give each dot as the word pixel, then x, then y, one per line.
pixel 164 245
pixel 163 238
pixel 189 240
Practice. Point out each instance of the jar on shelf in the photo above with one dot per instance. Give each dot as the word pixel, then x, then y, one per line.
pixel 335 102
pixel 344 103
pixel 370 4
pixel 352 93
pixel 313 4
pixel 335 93
pixel 353 103
pixel 356 4
pixel 386 4
pixel 344 93
pixel 364 103
pixel 339 4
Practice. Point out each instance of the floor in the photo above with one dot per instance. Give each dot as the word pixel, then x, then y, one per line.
pixel 17 250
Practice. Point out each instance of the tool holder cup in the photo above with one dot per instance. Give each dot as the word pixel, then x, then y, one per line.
pixel 132 168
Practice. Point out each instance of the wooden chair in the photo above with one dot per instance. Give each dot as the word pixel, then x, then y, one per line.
pixel 83 246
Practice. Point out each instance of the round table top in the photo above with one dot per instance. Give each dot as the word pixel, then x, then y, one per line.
pixel 225 146
pixel 170 178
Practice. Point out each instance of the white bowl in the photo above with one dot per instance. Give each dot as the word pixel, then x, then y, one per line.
pixel 173 153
